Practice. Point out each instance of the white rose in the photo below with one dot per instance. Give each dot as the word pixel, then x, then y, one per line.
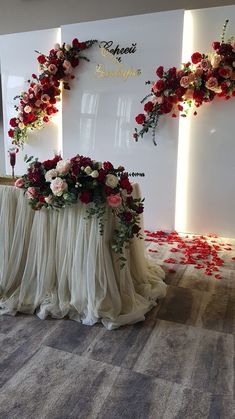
pixel 27 109
pixel 215 60
pixel 95 173
pixel 58 186
pixel 57 46
pixel 111 181
pixel 88 170
pixel 50 175
pixel 21 125
pixel 63 166
pixel 68 47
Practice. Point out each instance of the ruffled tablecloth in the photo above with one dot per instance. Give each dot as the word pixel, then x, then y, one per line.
pixel 57 264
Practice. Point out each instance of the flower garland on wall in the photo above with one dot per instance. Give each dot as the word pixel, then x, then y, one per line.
pixel 37 105
pixel 58 183
pixel 199 81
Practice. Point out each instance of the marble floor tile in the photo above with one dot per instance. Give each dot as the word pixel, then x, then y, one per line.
pixel 212 369
pixel 180 305
pixel 57 385
pixel 170 351
pixel 116 346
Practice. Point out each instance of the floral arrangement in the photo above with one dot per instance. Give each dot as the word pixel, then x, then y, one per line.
pixel 58 183
pixel 199 81
pixel 37 105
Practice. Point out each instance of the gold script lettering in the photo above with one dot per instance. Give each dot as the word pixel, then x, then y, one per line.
pixel 122 72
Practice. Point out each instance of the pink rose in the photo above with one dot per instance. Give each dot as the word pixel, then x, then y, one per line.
pixel 45 98
pixel 63 166
pixel 212 83
pixel 31 192
pixel 52 68
pixel 58 186
pixel 184 82
pixel 205 64
pixel 225 71
pixel 19 182
pixel 114 200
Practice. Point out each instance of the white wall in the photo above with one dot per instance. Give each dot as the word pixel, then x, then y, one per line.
pixel 99 114
pixel 18 61
pixel 210 197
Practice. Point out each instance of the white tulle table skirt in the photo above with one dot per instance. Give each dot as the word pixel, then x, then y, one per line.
pixel 57 264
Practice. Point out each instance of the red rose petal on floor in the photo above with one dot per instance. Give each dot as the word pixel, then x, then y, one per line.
pixel 233 258
pixel 171 271
pixel 218 276
pixel 227 248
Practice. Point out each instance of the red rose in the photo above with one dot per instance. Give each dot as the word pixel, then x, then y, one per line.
pixel 75 43
pixel 45 119
pixel 34 76
pixel 74 62
pixel 44 80
pixel 198 95
pixel 135 229
pixel 107 165
pixel 11 133
pixel 172 72
pixel 160 71
pixel 196 57
pixel 125 184
pixel 102 175
pixel 50 111
pixel 127 216
pixel 140 209
pixel 85 197
pixel 180 107
pixel 215 45
pixel 41 59
pixel 225 71
pixel 148 107
pixel 108 190
pixel 159 85
pixel 13 122
pixel 140 119
pixel 41 199
pixel 166 107
pixel 83 45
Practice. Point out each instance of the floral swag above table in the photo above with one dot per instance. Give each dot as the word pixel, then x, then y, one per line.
pixel 37 105
pixel 58 183
pixel 203 79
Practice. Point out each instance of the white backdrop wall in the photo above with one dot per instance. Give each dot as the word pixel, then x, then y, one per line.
pixel 99 114
pixel 210 197
pixel 18 61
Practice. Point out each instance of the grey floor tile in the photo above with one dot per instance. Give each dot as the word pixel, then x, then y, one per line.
pixel 213 365
pixel 135 395
pixel 169 352
pixel 180 305
pixel 116 346
pixel 57 384
pixel 72 336
pixel 18 349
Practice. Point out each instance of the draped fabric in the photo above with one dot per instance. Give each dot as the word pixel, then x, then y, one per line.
pixel 56 263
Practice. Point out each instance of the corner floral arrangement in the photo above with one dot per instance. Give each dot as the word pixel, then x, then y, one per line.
pixel 37 105
pixel 199 81
pixel 58 183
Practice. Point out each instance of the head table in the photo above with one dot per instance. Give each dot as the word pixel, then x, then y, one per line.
pixel 56 263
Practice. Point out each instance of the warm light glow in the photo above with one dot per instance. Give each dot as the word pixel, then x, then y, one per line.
pixel 184 138
pixel 57 119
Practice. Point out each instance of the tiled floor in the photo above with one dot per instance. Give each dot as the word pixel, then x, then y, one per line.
pixel 179 363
